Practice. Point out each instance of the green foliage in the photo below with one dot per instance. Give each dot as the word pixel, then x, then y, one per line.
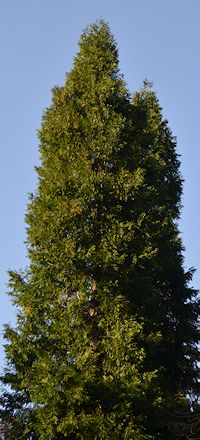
pixel 105 345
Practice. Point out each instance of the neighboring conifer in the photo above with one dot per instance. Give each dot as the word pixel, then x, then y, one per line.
pixel 105 345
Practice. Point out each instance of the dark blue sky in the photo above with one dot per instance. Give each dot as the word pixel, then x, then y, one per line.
pixel 158 40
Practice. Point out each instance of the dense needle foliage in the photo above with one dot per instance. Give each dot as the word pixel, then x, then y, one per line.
pixel 105 345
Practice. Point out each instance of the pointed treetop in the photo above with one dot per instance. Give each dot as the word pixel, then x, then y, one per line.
pixel 98 44
pixel 147 84
pixel 146 97
pixel 98 35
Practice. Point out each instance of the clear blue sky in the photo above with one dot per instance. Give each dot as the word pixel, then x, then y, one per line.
pixel 157 39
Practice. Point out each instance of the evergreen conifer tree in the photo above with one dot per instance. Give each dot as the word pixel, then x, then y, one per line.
pixel 105 345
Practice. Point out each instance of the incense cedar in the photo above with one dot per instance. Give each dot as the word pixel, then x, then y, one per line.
pixel 106 341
